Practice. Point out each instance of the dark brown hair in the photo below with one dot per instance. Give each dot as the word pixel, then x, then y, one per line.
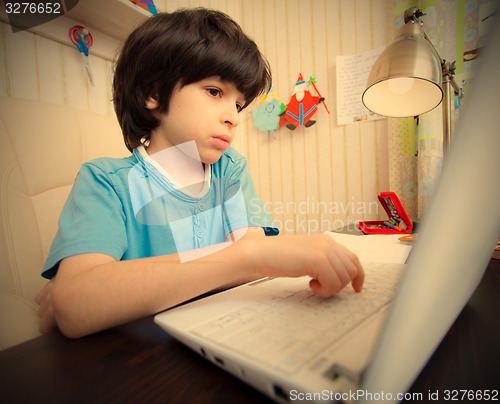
pixel 182 47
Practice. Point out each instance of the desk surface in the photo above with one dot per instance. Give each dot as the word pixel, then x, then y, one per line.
pixel 138 362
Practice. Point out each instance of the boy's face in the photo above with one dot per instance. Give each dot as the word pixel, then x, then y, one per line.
pixel 206 111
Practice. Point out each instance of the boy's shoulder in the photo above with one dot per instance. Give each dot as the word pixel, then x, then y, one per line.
pixel 232 156
pixel 231 164
pixel 110 165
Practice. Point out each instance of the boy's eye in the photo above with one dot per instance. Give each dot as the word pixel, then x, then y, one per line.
pixel 214 92
pixel 217 93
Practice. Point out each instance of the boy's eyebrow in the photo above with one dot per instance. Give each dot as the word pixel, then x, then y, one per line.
pixel 214 78
pixel 226 82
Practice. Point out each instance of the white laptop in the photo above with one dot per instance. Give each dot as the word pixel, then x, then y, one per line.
pixel 376 342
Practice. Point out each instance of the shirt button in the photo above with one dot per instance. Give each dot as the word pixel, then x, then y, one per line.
pixel 201 207
pixel 199 234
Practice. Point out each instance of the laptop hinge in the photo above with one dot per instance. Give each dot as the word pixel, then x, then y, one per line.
pixel 336 370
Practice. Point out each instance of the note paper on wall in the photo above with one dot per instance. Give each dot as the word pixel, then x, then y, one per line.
pixel 352 75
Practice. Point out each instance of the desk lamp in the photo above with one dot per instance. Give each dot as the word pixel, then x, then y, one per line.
pixel 409 78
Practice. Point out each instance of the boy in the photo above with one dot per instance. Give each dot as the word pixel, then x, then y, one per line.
pixel 141 234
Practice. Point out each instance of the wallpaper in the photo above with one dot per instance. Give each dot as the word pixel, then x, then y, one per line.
pixel 311 179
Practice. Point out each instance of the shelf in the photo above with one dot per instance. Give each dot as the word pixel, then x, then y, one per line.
pixel 109 21
pixel 116 18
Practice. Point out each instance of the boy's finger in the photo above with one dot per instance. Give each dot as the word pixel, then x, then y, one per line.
pixel 357 282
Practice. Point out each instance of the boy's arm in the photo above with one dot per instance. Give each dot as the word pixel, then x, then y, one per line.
pixel 92 292
pixel 235 236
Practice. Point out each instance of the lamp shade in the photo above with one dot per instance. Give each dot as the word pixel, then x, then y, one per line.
pixel 406 78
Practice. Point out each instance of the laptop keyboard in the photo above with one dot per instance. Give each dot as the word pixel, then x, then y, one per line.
pixel 293 325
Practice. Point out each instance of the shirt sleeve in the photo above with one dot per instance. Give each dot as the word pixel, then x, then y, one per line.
pixel 92 220
pixel 242 205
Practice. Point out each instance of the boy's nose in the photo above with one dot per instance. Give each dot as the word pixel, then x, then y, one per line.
pixel 231 117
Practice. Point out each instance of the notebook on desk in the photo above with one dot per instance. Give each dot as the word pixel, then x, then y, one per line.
pixel 376 342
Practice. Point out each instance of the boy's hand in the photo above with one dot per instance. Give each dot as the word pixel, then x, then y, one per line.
pixel 330 265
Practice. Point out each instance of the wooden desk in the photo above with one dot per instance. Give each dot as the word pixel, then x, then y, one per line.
pixel 136 363
pixel 139 363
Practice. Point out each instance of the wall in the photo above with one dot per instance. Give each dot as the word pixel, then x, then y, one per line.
pixel 311 179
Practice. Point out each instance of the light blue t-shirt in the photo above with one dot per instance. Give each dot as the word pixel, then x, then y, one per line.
pixel 127 209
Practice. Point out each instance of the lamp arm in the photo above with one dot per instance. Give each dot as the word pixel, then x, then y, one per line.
pixel 449 72
pixel 448 82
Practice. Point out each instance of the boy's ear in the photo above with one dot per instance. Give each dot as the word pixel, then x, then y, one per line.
pixel 152 102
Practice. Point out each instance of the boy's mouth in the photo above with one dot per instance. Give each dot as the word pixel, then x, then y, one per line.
pixel 221 141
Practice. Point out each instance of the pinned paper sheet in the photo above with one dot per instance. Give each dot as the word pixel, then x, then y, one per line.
pixel 352 76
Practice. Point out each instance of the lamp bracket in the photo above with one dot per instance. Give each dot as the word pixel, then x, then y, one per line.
pixel 413 14
pixel 448 74
pixel 448 69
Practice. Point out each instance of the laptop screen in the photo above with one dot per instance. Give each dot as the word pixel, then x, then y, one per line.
pixel 452 251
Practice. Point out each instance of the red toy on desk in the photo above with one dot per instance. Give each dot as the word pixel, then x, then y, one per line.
pixel 398 223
